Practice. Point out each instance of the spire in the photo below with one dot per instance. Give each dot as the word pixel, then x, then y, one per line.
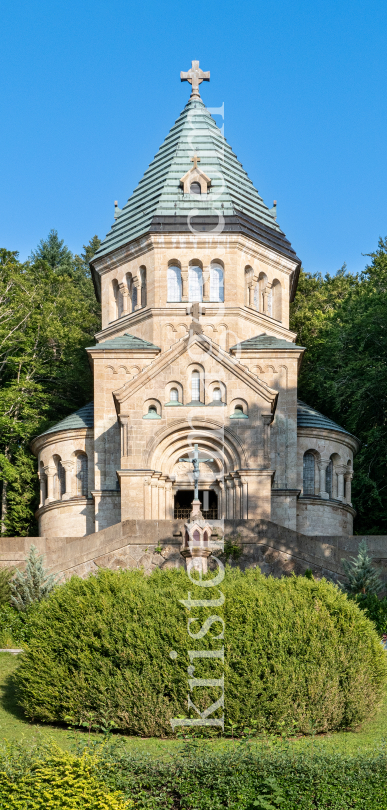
pixel 163 203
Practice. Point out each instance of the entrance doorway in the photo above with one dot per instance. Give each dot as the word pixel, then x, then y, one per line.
pixel 208 504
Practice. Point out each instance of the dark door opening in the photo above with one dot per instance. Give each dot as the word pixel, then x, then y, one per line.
pixel 183 504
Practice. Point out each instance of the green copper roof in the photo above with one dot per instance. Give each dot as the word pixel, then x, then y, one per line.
pixel 159 199
pixel 125 342
pixel 265 342
pixel 84 418
pixel 309 417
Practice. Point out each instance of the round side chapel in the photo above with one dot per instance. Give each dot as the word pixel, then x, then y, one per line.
pixel 195 278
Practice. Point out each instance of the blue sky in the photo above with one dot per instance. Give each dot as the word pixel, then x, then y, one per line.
pixel 89 90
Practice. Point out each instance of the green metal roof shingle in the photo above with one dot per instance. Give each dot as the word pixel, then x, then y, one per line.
pixel 265 342
pixel 309 417
pixel 125 341
pixel 159 195
pixel 84 418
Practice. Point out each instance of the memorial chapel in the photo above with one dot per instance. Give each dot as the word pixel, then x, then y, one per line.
pixel 195 279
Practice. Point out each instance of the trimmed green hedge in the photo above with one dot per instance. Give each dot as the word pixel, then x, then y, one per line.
pixel 299 655
pixel 241 778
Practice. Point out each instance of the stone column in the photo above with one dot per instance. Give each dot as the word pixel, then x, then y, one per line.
pixel 348 495
pixel 70 489
pixel 251 294
pixel 42 487
pixel 168 501
pixel 264 301
pixel 50 472
pixel 267 419
pixel 161 487
pixel 244 512
pixel 147 499
pixel 154 499
pixel 221 503
pixel 206 284
pixel 322 467
pixel 238 498
pixel 184 283
pixel 340 483
pixel 229 499
pixel 124 297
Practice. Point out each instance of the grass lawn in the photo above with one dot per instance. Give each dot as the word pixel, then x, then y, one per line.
pixel 13 726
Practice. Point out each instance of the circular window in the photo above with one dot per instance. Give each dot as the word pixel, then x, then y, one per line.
pixel 195 188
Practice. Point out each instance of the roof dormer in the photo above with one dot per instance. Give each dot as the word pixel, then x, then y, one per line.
pixel 195 181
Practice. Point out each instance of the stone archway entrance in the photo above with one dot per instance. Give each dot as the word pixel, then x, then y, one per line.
pixel 208 501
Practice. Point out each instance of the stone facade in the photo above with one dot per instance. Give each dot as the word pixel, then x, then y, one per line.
pixel 195 346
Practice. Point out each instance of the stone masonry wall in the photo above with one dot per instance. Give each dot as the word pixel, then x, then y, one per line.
pixel 131 544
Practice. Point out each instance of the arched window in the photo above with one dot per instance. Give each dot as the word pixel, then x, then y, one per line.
pixel 114 300
pixel 195 284
pixel 82 475
pixel 239 413
pixel 173 395
pixel 216 284
pixel 43 485
pixel 329 478
pixel 152 413
pixel 277 300
pixel 308 474
pixel 195 188
pixel 196 536
pixel 216 395
pixel 143 286
pixel 134 297
pixel 59 483
pixel 174 284
pixel 195 386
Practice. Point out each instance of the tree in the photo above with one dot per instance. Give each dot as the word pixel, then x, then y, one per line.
pixel 48 316
pixel 362 576
pixel 342 321
pixel 54 251
pixel 33 584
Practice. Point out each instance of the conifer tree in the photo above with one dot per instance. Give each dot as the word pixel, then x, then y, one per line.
pixel 33 584
pixel 362 576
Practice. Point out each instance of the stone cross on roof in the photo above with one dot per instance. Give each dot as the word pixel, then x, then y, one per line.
pixel 195 160
pixel 195 76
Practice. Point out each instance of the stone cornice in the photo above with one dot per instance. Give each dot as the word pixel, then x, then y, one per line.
pixel 76 501
pixel 332 503
pixel 248 314
pixel 332 435
pixel 59 436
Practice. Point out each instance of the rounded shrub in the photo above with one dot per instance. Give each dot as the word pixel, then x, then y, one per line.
pixel 61 781
pixel 117 650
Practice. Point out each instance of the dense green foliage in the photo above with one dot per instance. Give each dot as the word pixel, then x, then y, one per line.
pixel 48 314
pixel 6 575
pixel 298 654
pixel 59 781
pixel 33 584
pixel 14 626
pixel 195 779
pixel 306 779
pixel 375 609
pixel 342 321
pixel 361 575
